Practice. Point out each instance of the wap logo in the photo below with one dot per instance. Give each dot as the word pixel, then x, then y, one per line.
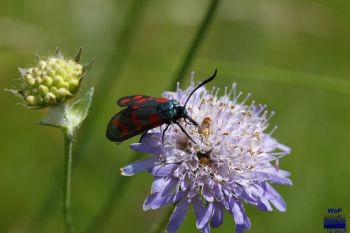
pixel 334 222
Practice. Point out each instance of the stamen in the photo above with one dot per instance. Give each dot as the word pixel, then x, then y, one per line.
pixel 277 165
pixel 262 107
pixel 217 92
pixel 212 90
pixel 273 130
pixel 233 90
pixel 264 115
pixel 251 105
pixel 278 154
pixel 246 98
pixel 271 115
pixel 236 98
pixel 226 97
pixel 192 75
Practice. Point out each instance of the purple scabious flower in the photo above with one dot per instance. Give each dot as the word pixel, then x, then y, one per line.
pixel 233 161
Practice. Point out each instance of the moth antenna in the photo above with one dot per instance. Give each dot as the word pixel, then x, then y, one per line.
pixel 166 128
pixel 184 131
pixel 200 85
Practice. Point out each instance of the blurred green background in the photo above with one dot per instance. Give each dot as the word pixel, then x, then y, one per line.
pixel 293 55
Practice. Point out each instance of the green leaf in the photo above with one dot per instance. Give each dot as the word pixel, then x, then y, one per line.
pixel 55 117
pixel 70 114
pixel 79 109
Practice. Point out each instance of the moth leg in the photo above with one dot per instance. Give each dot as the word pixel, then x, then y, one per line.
pixel 191 120
pixel 187 122
pixel 142 136
pixel 184 131
pixel 166 128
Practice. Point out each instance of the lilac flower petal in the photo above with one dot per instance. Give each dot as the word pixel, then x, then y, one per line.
pixel 237 211
pixel 249 198
pixel 197 206
pixel 226 191
pixel 273 178
pixel 284 148
pixel 155 201
pixel 208 194
pixel 205 229
pixel 185 184
pixel 178 216
pixel 192 193
pixel 218 192
pixel 147 203
pixel 152 139
pixel 166 200
pixel 139 166
pixel 163 185
pixel 246 225
pixel 163 170
pixel 238 190
pixel 263 204
pixel 158 184
pixel 199 209
pixel 218 217
pixel 280 204
pixel 141 147
pixel 168 186
pixel 275 198
pixel 283 173
pixel 205 216
pixel 225 202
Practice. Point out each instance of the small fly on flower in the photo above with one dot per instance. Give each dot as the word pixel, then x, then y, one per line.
pixel 143 113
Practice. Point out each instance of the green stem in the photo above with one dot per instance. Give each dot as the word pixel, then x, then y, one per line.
pixel 123 42
pixel 163 222
pixel 114 196
pixel 197 41
pixel 68 144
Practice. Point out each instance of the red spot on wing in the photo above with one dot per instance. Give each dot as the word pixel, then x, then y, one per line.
pixel 134 118
pixel 135 121
pixel 161 100
pixel 140 101
pixel 137 97
pixel 125 101
pixel 154 118
pixel 135 107
pixel 125 130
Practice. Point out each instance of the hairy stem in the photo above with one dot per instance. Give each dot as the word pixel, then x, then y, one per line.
pixel 68 144
pixel 123 42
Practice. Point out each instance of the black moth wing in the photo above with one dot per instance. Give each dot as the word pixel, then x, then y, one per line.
pixel 137 100
pixel 130 122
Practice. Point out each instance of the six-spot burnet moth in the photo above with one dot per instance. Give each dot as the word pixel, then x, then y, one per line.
pixel 143 113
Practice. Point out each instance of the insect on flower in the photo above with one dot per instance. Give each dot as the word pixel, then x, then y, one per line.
pixel 231 164
pixel 143 113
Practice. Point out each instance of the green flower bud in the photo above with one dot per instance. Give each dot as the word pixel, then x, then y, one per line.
pixel 43 90
pixel 30 100
pixel 48 80
pixel 50 97
pixel 63 92
pixel 52 81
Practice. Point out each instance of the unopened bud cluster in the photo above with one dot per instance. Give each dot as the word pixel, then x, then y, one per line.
pixel 51 82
